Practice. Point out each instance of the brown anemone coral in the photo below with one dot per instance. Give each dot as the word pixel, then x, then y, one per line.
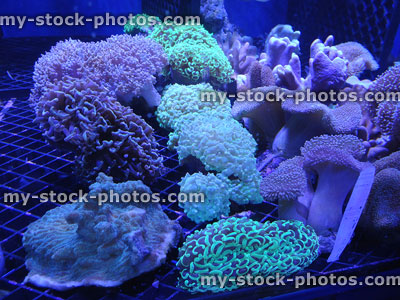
pixel 106 136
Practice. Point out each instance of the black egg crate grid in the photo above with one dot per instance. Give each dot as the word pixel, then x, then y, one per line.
pixel 29 165
pixel 162 8
pixel 372 23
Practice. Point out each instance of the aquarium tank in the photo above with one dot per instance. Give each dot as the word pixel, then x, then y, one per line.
pixel 199 149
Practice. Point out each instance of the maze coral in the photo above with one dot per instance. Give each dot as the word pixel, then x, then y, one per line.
pixel 238 246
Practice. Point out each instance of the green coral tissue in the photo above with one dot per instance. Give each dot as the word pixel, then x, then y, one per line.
pixel 194 55
pixel 239 246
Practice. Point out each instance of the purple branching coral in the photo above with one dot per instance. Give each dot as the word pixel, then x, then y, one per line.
pixel 75 98
pixel 329 66
pixel 241 55
pixel 93 243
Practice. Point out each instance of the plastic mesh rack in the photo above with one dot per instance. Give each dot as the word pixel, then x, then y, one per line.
pixel 371 22
pixel 29 165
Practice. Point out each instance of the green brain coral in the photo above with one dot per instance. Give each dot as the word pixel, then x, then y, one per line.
pixel 194 55
pixel 239 246
pixel 216 197
pixel 179 100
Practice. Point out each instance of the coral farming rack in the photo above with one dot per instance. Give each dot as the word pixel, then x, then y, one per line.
pixel 29 165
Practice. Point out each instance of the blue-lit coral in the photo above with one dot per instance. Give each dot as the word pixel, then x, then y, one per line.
pixel 216 197
pixel 75 98
pixel 291 187
pixel 105 135
pixel 193 54
pixel 224 146
pixel 122 64
pixel 241 54
pixel 337 161
pixel 206 131
pixel 83 244
pixel 329 65
pixel 360 59
pixel 381 217
pixel 287 125
pixel 282 31
pixel 239 246
pixel 179 100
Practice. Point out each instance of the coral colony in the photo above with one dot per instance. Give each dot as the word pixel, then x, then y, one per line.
pixel 307 157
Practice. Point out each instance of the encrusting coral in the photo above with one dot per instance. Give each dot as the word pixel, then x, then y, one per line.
pixel 75 98
pixel 85 243
pixel 239 246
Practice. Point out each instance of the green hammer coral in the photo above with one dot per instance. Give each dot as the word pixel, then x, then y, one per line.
pixel 194 55
pixel 216 197
pixel 239 246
